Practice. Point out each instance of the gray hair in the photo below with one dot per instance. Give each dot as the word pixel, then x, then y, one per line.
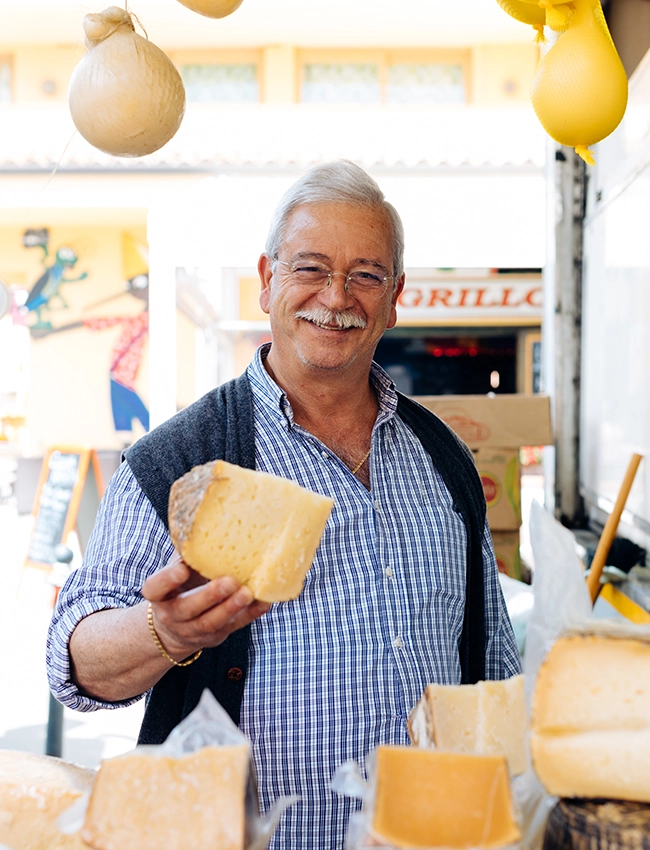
pixel 335 182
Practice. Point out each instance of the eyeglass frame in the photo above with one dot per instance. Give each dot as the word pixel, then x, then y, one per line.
pixel 331 273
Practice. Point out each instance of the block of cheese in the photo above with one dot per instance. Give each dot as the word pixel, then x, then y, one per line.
pixel 34 791
pixel 488 718
pixel 427 798
pixel 259 528
pixel 590 716
pixel 148 802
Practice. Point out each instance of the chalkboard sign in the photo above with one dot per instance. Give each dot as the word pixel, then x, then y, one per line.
pixel 67 497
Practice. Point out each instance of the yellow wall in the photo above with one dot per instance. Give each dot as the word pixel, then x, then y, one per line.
pixel 41 73
pixel 502 73
pixel 497 73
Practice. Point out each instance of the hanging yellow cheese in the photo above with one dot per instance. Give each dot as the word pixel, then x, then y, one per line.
pixel 425 798
pixel 126 97
pixel 212 8
pixel 155 802
pixel 262 529
pixel 526 13
pixel 590 717
pixel 579 91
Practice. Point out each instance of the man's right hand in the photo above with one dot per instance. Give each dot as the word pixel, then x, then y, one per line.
pixel 191 613
pixel 113 656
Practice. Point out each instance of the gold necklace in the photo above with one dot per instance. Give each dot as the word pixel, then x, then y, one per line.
pixel 361 463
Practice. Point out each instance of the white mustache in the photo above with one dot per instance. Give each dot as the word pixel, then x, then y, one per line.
pixel 322 316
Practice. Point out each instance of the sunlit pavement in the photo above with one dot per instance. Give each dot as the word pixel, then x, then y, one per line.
pixel 26 597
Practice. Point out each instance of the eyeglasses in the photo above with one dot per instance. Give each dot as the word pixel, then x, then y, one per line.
pixel 316 278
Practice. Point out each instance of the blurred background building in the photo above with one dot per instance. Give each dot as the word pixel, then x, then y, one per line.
pixel 435 106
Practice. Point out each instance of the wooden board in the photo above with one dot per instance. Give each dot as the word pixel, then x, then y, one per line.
pixel 69 490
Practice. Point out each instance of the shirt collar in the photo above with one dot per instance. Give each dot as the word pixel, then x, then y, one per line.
pixel 275 399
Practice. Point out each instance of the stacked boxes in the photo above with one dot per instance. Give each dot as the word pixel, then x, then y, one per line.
pixel 495 427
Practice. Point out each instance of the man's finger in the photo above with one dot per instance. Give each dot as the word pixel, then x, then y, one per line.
pixel 166 582
pixel 224 591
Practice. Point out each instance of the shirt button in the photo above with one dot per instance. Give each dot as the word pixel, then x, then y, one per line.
pixel 389 572
pixel 324 454
pixel 376 504
pixel 399 643
pixel 235 674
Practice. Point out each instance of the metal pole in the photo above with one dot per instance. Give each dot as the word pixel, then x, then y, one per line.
pixel 571 186
pixel 54 740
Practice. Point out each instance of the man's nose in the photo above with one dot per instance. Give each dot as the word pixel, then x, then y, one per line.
pixel 336 292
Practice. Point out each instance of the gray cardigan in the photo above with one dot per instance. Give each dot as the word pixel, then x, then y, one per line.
pixel 221 425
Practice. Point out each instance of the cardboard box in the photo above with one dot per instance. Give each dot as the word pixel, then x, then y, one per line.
pixel 499 471
pixel 506 548
pixel 500 421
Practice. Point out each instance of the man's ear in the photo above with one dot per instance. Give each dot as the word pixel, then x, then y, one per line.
pixel 392 319
pixel 265 271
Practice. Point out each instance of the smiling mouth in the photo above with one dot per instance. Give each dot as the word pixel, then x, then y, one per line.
pixel 328 327
pixel 330 320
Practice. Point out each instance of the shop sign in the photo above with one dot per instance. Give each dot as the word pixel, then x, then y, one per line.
pixel 425 300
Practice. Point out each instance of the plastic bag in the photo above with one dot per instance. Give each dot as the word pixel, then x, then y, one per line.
pixel 561 602
pixel 561 597
pixel 208 725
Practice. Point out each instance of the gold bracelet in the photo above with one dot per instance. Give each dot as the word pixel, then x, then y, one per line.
pixel 161 648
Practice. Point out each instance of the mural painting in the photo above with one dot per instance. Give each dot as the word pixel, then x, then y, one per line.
pixel 40 309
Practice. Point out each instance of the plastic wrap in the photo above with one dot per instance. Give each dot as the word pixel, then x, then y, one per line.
pixel 207 726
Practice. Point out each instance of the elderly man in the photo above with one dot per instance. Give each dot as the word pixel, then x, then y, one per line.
pixel 403 589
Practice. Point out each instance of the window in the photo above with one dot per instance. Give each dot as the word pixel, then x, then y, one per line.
pixel 220 83
pixel 425 83
pixel 5 80
pixel 379 75
pixel 341 82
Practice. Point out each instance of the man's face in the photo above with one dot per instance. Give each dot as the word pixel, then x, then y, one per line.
pixel 340 237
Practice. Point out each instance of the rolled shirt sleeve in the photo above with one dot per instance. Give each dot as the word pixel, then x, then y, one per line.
pixel 128 544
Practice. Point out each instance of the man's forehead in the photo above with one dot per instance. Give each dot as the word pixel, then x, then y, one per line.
pixel 346 220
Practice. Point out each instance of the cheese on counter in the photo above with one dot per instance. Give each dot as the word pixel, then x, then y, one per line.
pixel 34 791
pixel 590 718
pixel 262 529
pixel 155 802
pixel 426 798
pixel 488 718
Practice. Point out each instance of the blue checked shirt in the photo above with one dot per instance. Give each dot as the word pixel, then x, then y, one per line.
pixel 335 672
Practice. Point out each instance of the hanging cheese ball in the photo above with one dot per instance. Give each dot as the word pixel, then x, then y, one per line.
pixel 579 90
pixel 558 12
pixel 212 8
pixel 526 13
pixel 126 97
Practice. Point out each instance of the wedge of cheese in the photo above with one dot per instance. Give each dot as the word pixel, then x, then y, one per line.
pixel 148 802
pixel 34 791
pixel 590 716
pixel 259 528
pixel 426 798
pixel 488 718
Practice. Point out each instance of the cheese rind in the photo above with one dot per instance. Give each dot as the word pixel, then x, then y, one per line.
pixel 590 718
pixel 488 718
pixel 34 791
pixel 426 798
pixel 148 802
pixel 262 529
